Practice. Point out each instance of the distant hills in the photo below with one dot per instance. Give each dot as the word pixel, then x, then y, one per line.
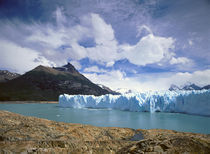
pixel 188 86
pixel 6 75
pixel 46 83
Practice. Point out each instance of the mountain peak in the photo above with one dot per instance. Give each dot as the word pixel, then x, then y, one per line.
pixel 45 69
pixel 67 68
pixel 39 67
pixel 191 86
pixel 46 83
pixel 174 87
pixel 187 86
pixel 70 67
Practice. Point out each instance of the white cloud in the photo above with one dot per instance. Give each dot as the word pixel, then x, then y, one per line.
pixel 163 81
pixel 60 18
pixel 113 79
pixel 103 32
pixel 92 25
pixel 144 82
pixel 190 42
pixel 48 40
pixel 76 64
pixel 20 59
pixel 106 44
pixel 180 60
pixel 150 49
pixel 142 28
pixel 94 69
pixel 109 64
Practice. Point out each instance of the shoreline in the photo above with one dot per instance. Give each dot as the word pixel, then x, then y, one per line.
pixel 30 134
pixel 28 102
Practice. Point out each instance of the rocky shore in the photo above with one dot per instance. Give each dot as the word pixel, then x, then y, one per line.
pixel 33 135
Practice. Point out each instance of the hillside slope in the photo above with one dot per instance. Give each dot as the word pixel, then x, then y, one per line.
pixel 45 83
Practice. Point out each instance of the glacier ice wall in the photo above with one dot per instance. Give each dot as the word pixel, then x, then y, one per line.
pixel 190 102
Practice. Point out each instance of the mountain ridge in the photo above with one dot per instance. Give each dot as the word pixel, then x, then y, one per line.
pixel 6 75
pixel 188 86
pixel 46 83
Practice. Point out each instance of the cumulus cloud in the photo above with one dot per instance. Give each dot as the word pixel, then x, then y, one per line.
pixel 76 64
pixel 59 43
pixel 143 29
pixel 145 82
pixel 180 60
pixel 94 69
pixel 20 59
pixel 92 25
pixel 109 64
pixel 113 79
pixel 150 49
pixel 161 81
pixel 49 44
pixel 60 18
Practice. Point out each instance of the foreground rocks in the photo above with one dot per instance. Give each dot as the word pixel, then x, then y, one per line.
pixel 33 135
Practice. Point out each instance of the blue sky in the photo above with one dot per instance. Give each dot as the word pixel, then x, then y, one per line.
pixel 134 44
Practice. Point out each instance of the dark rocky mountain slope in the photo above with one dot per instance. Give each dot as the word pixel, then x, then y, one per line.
pixel 46 83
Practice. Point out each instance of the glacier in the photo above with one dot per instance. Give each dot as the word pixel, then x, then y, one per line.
pixel 189 102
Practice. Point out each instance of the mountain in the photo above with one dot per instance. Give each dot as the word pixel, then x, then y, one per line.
pixel 68 68
pixel 191 87
pixel 108 89
pixel 6 75
pixel 174 87
pixel 206 87
pixel 188 86
pixel 46 83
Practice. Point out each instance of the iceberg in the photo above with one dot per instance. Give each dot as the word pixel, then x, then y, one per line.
pixel 190 102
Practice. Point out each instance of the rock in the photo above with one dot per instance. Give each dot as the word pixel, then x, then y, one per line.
pixel 34 135
pixel 158 149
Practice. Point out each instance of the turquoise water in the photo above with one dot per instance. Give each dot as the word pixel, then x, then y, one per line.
pixel 114 118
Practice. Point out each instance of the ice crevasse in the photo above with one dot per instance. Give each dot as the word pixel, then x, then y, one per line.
pixel 190 102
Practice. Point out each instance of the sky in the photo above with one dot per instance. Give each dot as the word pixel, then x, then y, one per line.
pixel 133 44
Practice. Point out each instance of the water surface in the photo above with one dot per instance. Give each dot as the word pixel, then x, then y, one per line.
pixel 114 118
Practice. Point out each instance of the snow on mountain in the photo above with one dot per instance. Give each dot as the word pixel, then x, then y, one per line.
pixel 125 91
pixel 108 89
pixel 190 102
pixel 190 86
pixel 187 86
pixel 174 87
pixel 6 75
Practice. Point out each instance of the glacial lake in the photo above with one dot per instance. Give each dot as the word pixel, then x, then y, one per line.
pixel 114 118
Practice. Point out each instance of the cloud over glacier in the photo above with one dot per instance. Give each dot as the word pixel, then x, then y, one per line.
pixel 144 44
pixel 60 42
